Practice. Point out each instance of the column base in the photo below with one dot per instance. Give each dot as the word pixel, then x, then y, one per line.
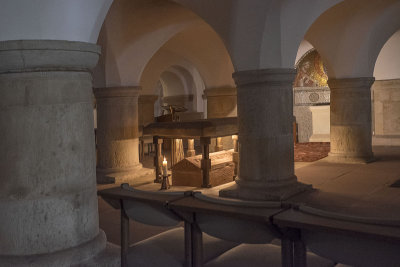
pixel 349 158
pixel 93 253
pixel 136 175
pixel 266 192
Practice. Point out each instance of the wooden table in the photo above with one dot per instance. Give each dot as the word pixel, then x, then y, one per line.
pixel 198 129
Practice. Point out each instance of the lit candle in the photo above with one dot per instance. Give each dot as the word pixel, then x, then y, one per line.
pixel 164 167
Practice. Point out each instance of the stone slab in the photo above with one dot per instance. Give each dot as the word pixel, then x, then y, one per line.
pixel 194 129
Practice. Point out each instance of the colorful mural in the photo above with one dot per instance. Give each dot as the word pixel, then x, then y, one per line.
pixel 311 71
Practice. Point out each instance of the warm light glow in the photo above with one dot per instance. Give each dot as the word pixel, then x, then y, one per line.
pixel 164 167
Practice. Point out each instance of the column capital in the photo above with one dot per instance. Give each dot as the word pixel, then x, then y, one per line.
pixel 123 91
pixel 349 83
pixel 47 55
pixel 269 76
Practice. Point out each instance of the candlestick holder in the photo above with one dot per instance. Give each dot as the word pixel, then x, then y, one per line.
pixel 165 182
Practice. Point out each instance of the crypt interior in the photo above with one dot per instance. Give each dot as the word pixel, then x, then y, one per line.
pixel 200 133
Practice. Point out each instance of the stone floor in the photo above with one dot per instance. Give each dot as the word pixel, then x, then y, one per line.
pixel 362 189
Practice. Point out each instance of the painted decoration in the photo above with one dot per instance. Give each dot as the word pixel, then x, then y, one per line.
pixel 311 71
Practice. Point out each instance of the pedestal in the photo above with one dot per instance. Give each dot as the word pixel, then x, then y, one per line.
pixel 320 123
pixel 48 205
pixel 351 134
pixel 118 135
pixel 265 112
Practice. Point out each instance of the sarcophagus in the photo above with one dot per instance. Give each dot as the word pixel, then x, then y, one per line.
pixel 188 171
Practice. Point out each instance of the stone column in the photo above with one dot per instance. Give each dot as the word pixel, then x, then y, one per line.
pixel 48 203
pixel 266 156
pixel 146 109
pixel 221 102
pixel 205 106
pixel 118 135
pixel 191 152
pixel 235 154
pixel 218 144
pixel 351 133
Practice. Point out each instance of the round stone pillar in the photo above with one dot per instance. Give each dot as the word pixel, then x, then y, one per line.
pixel 266 152
pixel 146 109
pixel 118 134
pixel 221 102
pixel 351 130
pixel 48 201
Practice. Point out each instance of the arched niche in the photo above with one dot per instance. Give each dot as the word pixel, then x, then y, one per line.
pixel 386 94
pixel 311 96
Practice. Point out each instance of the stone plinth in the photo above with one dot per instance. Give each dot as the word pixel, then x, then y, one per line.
pixel 320 123
pixel 188 172
pixel 351 134
pixel 118 135
pixel 266 153
pixel 48 203
pixel 221 102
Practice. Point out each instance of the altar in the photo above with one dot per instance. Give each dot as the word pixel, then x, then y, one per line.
pixel 197 129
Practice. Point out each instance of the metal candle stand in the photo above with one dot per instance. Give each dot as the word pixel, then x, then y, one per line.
pixel 165 182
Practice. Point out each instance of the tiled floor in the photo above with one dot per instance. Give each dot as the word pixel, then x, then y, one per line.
pixel 359 189
pixel 309 152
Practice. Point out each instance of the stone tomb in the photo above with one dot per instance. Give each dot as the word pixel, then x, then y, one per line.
pixel 188 172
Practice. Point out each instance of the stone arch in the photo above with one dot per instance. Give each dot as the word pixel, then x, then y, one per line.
pixel 183 87
pixel 350 46
pixel 277 28
pixel 52 20
pixel 386 93
pixel 387 65
pixel 134 31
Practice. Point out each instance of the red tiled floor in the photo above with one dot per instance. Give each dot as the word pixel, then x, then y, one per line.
pixel 308 152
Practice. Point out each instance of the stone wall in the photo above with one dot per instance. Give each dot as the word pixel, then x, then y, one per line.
pixel 386 112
